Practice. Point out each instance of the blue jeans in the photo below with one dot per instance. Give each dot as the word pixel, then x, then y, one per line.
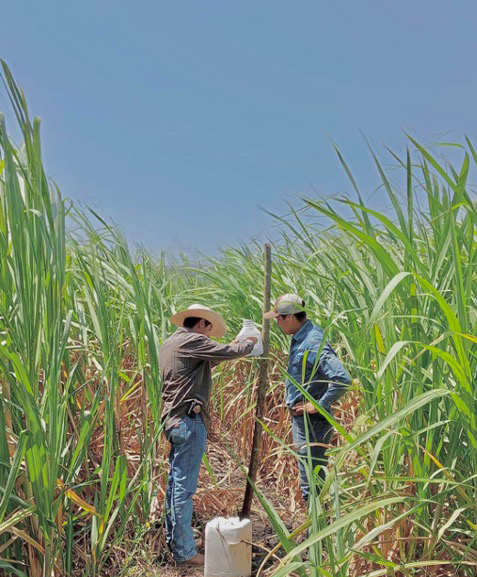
pixel 318 430
pixel 188 440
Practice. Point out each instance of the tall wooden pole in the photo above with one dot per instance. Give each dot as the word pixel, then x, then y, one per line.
pixel 262 389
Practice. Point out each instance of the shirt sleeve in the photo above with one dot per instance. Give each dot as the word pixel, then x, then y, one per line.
pixel 204 349
pixel 332 369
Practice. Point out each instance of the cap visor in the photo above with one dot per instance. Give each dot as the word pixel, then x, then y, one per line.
pixel 271 315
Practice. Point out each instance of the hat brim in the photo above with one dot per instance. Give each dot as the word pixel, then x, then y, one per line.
pixel 219 327
pixel 271 315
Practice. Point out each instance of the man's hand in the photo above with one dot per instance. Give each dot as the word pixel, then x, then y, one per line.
pixel 309 408
pixel 301 408
pixel 251 339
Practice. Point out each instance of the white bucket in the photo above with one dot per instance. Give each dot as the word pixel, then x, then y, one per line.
pixel 226 554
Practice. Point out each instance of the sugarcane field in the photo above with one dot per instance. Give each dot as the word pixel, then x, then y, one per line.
pixel 203 391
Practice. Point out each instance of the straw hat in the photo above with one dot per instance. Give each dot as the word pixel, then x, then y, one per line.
pixel 202 312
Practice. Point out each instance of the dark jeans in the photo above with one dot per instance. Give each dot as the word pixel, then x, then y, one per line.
pixel 306 437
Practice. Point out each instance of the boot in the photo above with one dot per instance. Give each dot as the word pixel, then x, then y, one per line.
pixel 196 561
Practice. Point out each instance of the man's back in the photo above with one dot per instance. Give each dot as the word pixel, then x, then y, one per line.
pixel 186 359
pixel 184 376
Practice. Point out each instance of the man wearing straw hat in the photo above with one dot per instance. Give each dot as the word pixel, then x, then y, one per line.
pixel 186 361
pixel 313 367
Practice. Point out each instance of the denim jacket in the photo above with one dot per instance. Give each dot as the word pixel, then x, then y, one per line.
pixel 325 379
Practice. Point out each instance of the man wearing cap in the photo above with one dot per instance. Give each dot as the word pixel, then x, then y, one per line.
pixel 186 361
pixel 315 367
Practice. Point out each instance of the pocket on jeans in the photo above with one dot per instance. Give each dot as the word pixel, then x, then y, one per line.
pixel 178 434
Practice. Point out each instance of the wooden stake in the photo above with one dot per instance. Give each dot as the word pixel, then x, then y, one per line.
pixel 262 389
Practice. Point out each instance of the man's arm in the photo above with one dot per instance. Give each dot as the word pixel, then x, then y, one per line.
pixel 337 376
pixel 204 349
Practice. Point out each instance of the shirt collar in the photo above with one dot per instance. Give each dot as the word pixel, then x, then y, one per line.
pixel 304 330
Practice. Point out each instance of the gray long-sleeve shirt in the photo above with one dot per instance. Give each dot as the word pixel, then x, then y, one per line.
pixel 186 359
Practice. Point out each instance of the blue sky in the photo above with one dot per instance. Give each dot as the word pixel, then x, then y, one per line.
pixel 178 119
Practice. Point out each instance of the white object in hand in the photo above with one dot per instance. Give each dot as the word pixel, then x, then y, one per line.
pixel 249 329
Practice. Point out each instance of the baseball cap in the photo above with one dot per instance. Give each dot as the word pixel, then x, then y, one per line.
pixel 288 304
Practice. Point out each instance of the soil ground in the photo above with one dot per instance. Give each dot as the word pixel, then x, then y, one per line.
pixel 223 496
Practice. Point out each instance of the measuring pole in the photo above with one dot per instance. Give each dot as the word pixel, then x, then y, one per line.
pixel 262 389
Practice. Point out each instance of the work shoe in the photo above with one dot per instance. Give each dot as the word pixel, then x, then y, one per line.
pixel 196 561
